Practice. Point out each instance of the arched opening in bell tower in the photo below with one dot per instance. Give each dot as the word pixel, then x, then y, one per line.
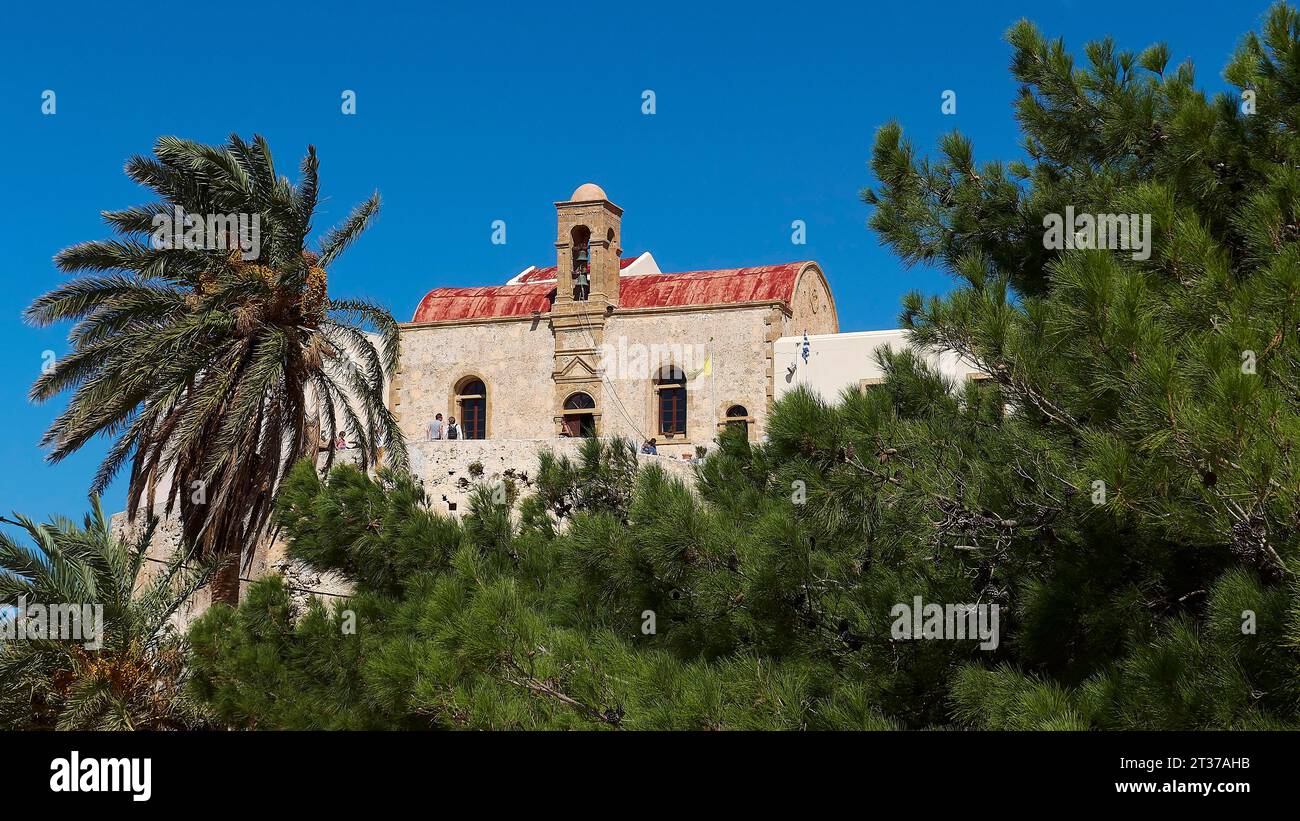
pixel 581 245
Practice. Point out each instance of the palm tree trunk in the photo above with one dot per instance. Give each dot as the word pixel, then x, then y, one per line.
pixel 225 582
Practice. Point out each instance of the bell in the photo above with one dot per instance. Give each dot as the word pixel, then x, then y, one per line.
pixel 583 280
pixel 582 257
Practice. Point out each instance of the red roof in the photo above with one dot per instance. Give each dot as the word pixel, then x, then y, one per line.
pixel 488 301
pixel 767 283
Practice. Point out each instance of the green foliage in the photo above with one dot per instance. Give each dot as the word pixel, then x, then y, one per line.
pixel 1169 379
pixel 496 623
pixel 135 678
pixel 212 370
pixel 376 533
pixel 280 672
pixel 1120 486
pixel 601 478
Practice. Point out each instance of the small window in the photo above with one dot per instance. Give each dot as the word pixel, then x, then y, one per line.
pixel 738 417
pixel 671 404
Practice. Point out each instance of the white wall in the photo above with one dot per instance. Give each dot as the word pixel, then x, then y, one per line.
pixel 838 361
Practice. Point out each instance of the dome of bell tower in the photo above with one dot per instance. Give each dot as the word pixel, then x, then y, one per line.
pixel 588 192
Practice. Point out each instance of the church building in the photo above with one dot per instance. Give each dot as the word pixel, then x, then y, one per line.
pixel 598 344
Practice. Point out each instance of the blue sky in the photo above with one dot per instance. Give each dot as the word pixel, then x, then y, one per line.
pixel 474 112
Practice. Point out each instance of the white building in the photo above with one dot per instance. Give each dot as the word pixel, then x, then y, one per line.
pixel 839 361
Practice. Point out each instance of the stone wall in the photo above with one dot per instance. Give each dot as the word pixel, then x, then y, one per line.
pixel 812 308
pixel 724 354
pixel 447 469
pixel 515 359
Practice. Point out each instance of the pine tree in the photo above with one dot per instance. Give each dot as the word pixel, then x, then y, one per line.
pixel 1159 390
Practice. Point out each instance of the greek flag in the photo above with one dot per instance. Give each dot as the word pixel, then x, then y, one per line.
pixel 806 346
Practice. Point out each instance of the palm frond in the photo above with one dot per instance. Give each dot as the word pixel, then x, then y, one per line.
pixel 201 366
pixel 339 238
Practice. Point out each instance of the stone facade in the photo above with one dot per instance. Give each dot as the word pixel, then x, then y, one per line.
pixel 437 358
pixel 730 351
pixel 534 351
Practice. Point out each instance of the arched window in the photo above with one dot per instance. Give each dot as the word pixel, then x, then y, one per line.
pixel 471 408
pixel 579 401
pixel 581 245
pixel 738 417
pixel 579 416
pixel 671 401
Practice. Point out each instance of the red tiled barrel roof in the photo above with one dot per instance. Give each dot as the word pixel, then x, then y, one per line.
pixel 483 303
pixel 767 283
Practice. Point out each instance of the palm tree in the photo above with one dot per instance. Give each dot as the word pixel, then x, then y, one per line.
pixel 216 373
pixel 135 679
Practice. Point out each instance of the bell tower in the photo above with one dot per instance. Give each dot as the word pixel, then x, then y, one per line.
pixel 588 249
